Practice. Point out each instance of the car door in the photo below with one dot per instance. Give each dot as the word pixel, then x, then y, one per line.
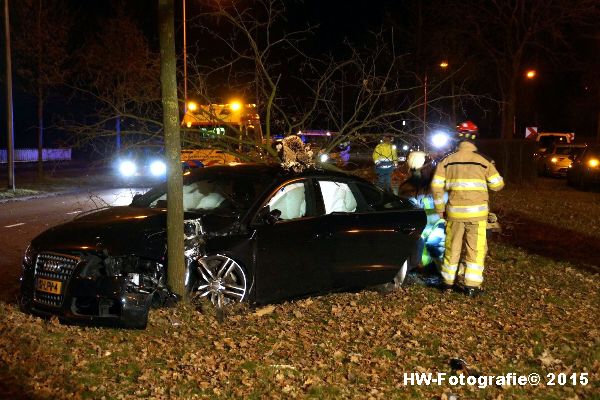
pixel 290 257
pixel 368 245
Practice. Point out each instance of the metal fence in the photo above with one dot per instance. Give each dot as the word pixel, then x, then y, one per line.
pixel 31 155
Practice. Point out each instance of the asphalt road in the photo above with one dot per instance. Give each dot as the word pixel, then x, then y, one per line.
pixel 21 221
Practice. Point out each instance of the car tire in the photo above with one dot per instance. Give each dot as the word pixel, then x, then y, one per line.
pixel 570 179
pixel 577 182
pixel 221 279
pixel 584 182
pixel 25 302
pixel 401 275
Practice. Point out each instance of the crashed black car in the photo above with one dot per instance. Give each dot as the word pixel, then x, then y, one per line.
pixel 254 233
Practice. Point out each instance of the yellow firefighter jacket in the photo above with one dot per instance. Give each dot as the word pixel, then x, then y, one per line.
pixel 466 175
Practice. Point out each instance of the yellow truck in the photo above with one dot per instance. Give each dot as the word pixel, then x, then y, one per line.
pixel 219 133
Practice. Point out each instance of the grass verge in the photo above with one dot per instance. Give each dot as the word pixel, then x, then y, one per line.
pixel 537 317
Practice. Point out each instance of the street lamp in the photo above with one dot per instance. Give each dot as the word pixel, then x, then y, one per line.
pixel 530 75
pixel 10 151
pixel 444 64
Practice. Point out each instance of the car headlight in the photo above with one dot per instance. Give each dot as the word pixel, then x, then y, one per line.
pixel 158 168
pixel 593 162
pixel 554 159
pixel 127 168
pixel 323 157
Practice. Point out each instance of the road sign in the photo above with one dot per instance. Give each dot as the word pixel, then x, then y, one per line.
pixel 531 132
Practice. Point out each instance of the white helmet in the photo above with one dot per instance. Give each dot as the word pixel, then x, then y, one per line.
pixel 416 160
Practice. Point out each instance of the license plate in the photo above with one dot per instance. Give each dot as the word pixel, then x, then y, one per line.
pixel 48 286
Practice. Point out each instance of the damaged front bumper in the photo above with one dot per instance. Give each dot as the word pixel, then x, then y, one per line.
pixel 57 285
pixel 102 301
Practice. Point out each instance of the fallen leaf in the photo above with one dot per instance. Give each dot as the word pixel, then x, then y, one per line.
pixel 264 311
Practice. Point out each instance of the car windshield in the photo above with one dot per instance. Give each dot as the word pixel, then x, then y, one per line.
pixel 547 141
pixel 142 152
pixel 226 193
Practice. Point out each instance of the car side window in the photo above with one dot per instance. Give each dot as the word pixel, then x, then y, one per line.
pixel 376 199
pixel 290 200
pixel 337 197
pixel 373 196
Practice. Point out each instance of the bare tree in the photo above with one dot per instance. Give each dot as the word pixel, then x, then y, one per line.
pixel 510 33
pixel 248 51
pixel 41 33
pixel 117 73
pixel 367 90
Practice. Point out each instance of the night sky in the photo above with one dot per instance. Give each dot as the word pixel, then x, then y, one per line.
pixel 556 101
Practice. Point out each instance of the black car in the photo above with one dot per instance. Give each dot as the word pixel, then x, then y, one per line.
pixel 254 233
pixel 585 171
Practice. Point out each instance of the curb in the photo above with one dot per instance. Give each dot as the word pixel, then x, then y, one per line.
pixel 43 195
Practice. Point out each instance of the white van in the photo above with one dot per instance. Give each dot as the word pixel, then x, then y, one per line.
pixel 549 139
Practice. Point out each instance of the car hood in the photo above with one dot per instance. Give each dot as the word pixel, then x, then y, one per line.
pixel 127 231
pixel 119 230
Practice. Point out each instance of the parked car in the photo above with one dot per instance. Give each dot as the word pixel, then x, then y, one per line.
pixel 585 172
pixel 557 160
pixel 254 233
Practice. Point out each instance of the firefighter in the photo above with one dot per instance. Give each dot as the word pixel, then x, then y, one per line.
pixel 466 176
pixel 386 159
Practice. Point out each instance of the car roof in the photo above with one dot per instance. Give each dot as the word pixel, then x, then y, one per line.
pixel 273 170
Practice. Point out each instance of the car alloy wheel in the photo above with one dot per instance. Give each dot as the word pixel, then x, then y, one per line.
pixel 401 275
pixel 221 279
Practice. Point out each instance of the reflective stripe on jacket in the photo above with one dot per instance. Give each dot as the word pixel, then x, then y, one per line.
pixel 467 176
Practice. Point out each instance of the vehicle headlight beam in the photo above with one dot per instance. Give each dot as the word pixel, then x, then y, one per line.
pixel 158 168
pixel 440 139
pixel 127 168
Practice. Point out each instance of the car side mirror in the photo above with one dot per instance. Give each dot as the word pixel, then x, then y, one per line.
pixel 272 217
pixel 268 216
